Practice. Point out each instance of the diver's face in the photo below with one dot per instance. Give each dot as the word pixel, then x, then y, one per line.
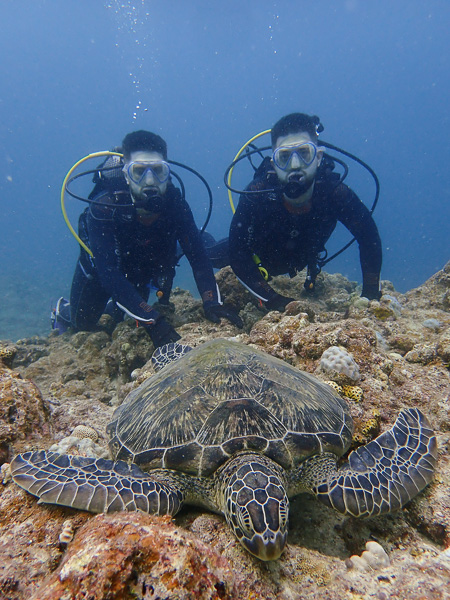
pixel 299 159
pixel 145 174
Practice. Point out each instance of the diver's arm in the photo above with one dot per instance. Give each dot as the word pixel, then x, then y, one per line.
pixel 358 220
pixel 192 245
pixel 241 254
pixel 103 245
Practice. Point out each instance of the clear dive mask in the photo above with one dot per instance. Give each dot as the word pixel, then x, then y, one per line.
pixel 306 153
pixel 137 171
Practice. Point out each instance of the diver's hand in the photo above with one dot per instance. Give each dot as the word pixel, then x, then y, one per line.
pixel 215 312
pixel 162 333
pixel 278 302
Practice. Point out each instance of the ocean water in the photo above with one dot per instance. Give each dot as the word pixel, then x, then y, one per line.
pixel 78 75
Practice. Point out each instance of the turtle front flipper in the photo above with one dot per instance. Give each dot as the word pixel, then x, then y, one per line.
pixel 95 485
pixel 381 476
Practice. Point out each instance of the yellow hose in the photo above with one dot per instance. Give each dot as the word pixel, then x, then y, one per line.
pixel 262 270
pixel 63 189
pixel 255 137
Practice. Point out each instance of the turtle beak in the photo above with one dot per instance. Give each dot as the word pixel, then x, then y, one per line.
pixel 266 546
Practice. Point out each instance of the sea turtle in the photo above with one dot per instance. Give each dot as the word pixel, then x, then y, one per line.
pixel 232 429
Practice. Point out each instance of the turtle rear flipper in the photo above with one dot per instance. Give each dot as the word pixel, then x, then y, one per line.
pixel 381 476
pixel 95 485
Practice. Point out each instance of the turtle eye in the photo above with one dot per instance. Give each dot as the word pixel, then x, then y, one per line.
pixel 114 447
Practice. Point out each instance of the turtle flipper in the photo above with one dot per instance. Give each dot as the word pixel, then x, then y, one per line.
pixel 164 355
pixel 96 485
pixel 381 476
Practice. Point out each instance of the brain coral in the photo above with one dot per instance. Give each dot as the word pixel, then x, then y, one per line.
pixel 339 365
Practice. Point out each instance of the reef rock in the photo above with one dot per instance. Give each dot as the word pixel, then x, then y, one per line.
pixel 136 555
pixel 24 416
pixel 401 348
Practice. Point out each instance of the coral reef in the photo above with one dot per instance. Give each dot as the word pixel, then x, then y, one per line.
pixel 63 385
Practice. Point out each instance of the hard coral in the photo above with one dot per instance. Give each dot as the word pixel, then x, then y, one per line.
pixel 373 558
pixel 340 365
pixel 84 431
pixel 73 444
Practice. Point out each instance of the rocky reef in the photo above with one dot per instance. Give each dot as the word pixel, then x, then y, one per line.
pixel 400 349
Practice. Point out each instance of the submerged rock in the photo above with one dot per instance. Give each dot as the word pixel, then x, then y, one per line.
pixel 134 555
pixel 24 415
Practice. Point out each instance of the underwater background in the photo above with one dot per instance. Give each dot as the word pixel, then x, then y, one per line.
pixel 77 75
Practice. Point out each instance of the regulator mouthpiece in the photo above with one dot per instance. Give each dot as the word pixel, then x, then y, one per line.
pixel 150 199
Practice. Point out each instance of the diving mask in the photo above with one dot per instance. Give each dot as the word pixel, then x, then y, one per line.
pixel 306 153
pixel 138 170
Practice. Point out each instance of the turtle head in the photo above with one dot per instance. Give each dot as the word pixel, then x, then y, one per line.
pixel 256 508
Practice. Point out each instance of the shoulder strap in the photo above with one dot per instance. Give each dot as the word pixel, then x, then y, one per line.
pixel 109 177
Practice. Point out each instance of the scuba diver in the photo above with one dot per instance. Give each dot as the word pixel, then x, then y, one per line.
pixel 289 211
pixel 135 219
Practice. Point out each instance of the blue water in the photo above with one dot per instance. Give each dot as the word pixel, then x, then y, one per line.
pixel 78 75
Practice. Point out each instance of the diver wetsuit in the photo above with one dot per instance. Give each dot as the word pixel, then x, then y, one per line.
pixel 130 251
pixel 287 241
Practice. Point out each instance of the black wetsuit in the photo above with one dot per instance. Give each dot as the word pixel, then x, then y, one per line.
pixel 287 242
pixel 129 256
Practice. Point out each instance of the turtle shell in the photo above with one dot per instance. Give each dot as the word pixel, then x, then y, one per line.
pixel 222 398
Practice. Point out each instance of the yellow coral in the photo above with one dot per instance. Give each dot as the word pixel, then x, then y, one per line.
pixel 369 430
pixel 382 313
pixel 354 392
pixel 349 391
pixel 372 426
pixel 372 559
pixel 338 388
pixel 5 473
pixel 7 354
